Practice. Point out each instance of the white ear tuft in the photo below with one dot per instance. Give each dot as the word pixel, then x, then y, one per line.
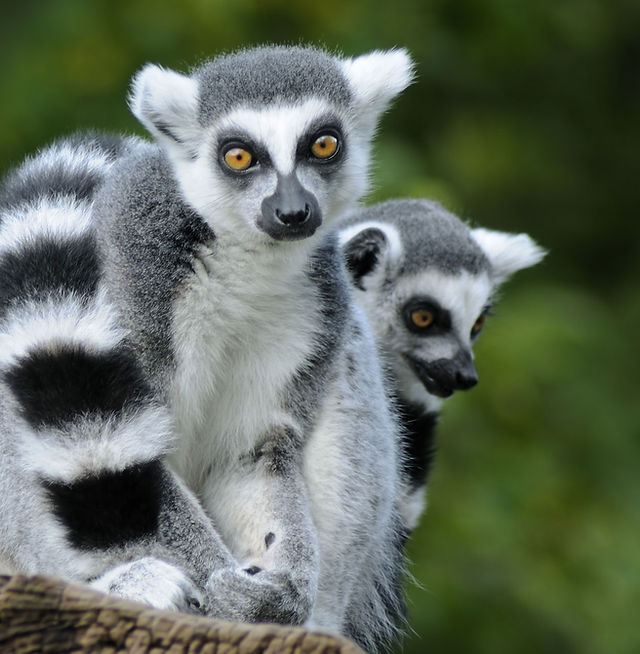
pixel 507 253
pixel 378 77
pixel 166 103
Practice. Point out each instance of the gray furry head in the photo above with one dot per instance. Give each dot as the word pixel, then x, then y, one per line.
pixel 271 141
pixel 427 281
pixel 263 76
pixel 431 236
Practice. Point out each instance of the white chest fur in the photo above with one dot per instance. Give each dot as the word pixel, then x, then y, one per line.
pixel 240 330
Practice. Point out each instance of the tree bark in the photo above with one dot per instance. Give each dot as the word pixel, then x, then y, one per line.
pixel 42 614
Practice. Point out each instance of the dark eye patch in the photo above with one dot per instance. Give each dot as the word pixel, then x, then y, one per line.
pixel 328 126
pixel 259 154
pixel 440 324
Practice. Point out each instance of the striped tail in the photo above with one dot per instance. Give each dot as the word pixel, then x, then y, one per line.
pixel 78 415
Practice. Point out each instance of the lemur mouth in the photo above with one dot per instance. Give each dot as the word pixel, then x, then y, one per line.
pixel 429 381
pixel 281 231
pixel 443 377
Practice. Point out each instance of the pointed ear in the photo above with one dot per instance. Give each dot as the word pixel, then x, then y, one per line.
pixel 378 77
pixel 365 247
pixel 166 103
pixel 507 253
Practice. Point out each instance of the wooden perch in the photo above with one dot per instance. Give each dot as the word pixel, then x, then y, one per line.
pixel 42 614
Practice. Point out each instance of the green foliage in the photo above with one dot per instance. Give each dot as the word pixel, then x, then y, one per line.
pixel 524 117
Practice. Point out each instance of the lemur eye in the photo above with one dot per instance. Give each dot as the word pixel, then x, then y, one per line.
pixel 478 324
pixel 422 318
pixel 324 146
pixel 238 158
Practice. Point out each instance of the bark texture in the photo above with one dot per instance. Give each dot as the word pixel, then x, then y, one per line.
pixel 41 614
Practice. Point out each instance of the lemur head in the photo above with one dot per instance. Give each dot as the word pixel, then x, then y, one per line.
pixel 426 282
pixel 269 143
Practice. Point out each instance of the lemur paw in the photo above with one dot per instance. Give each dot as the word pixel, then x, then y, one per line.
pixel 153 582
pixel 255 595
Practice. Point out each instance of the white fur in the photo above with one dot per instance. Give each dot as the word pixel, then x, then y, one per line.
pixel 333 514
pixel 230 331
pixel 94 446
pixel 159 93
pixel 7 567
pixel 60 559
pixel 45 549
pixel 82 159
pixel 277 127
pixel 378 77
pixel 61 218
pixel 413 507
pixel 56 321
pixel 411 387
pixel 150 581
pixel 464 295
pixel 240 492
pixel 507 253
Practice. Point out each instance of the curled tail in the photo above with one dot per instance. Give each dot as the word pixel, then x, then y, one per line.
pixel 82 438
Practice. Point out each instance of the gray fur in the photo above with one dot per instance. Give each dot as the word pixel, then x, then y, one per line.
pixel 431 235
pixel 159 234
pixel 304 392
pixel 262 76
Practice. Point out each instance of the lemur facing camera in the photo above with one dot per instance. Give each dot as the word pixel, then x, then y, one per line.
pixel 426 282
pixel 206 347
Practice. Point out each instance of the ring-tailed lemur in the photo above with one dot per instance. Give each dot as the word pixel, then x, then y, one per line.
pixel 426 282
pixel 235 302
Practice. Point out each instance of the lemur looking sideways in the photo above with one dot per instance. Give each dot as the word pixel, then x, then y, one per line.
pixel 426 282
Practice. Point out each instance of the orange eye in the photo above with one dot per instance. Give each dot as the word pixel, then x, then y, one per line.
pixel 324 146
pixel 421 318
pixel 479 323
pixel 238 158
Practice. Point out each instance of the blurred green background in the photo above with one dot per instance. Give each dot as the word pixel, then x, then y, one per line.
pixel 525 117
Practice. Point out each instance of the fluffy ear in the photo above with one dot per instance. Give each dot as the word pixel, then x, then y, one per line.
pixel 166 103
pixel 365 246
pixel 507 253
pixel 378 77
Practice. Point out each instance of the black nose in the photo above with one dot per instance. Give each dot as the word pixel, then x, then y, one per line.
pixel 466 378
pixel 294 218
pixel 291 213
